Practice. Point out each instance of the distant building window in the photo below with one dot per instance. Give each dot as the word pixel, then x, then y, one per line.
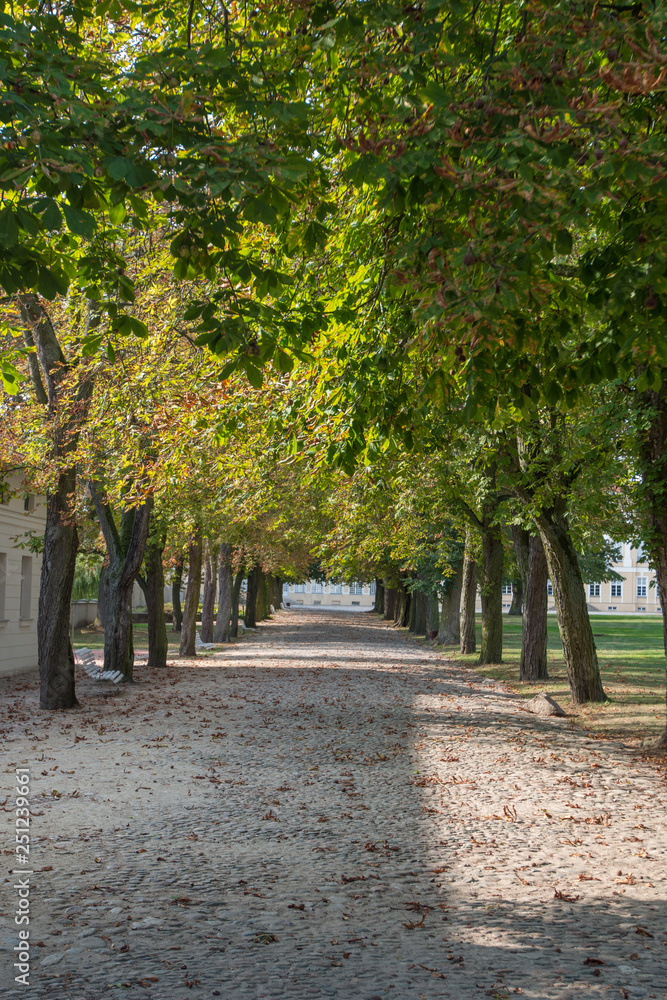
pixel 26 587
pixel 356 588
pixel 3 583
pixel 550 589
pixel 317 587
pixel 642 583
pixel 336 588
pixel 506 588
pixel 29 503
pixel 617 590
pixel 300 588
pixel 286 588
pixel 594 590
pixel 641 554
pixel 371 589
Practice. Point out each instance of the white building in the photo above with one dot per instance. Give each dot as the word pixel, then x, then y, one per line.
pixel 20 569
pixel 635 593
pixel 327 594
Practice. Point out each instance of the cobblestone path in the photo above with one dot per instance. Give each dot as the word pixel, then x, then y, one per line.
pixel 328 810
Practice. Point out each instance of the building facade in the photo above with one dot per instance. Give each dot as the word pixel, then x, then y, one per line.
pixel 318 593
pixel 20 515
pixel 635 593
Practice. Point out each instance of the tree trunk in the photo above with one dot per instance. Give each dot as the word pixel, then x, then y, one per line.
pixel 491 573
pixel 236 594
pixel 378 605
pixel 250 617
pixel 533 664
pixel 432 614
pixel 101 597
pixel 576 635
pixel 176 583
pixel 55 656
pixel 469 598
pixel 405 609
pixel 261 604
pixel 208 600
pixel 192 592
pixel 125 547
pixel 449 627
pixel 157 628
pixel 221 633
pixel 653 467
pixel 389 603
pixel 516 607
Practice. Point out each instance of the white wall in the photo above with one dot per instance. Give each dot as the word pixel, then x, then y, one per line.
pixel 18 634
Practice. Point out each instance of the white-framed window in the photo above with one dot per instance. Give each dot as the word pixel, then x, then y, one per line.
pixel 371 589
pixel 594 590
pixel 641 554
pixel 356 588
pixel 3 583
pixel 29 503
pixel 335 588
pixel 317 587
pixel 300 588
pixel 286 588
pixel 642 586
pixel 506 588
pixel 617 590
pixel 550 589
pixel 26 587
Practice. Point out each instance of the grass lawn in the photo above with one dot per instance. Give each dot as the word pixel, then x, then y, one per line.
pixel 632 662
pixel 93 638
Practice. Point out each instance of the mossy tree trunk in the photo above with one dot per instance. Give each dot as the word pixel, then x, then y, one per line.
pixel 449 626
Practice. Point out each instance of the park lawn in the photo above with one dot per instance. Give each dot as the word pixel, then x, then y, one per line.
pixel 632 663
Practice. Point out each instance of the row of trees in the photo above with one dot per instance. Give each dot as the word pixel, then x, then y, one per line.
pixel 257 258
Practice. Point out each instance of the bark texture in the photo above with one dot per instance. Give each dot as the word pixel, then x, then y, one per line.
pixel 379 597
pixel 250 617
pixel 222 624
pixel 154 590
pixel 176 583
pixel 125 550
pixel 449 626
pixel 491 579
pixel 208 599
pixel 533 663
pixel 576 635
pixel 48 370
pixel 468 597
pixel 236 596
pixel 653 459
pixel 192 591
pixel 389 602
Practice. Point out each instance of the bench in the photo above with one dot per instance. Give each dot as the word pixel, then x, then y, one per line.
pixel 85 658
pixel 203 645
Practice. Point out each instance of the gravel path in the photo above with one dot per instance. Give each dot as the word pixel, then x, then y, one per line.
pixel 328 810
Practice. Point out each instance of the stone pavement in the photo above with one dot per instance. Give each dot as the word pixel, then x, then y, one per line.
pixel 327 809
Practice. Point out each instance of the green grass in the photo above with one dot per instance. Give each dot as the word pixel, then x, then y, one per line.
pixel 632 663
pixel 94 638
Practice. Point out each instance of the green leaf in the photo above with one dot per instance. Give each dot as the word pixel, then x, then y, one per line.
pixel 78 222
pixel 9 230
pixel 51 216
pixel 563 242
pixel 111 353
pixel 117 213
pixel 50 284
pixel 255 376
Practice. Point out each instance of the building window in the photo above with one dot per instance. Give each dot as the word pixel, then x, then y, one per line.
pixel 550 589
pixel 3 584
pixel 641 586
pixel 336 588
pixel 641 554
pixel 286 588
pixel 506 588
pixel 356 588
pixel 29 503
pixel 617 590
pixel 317 587
pixel 371 589
pixel 594 590
pixel 300 588
pixel 26 587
